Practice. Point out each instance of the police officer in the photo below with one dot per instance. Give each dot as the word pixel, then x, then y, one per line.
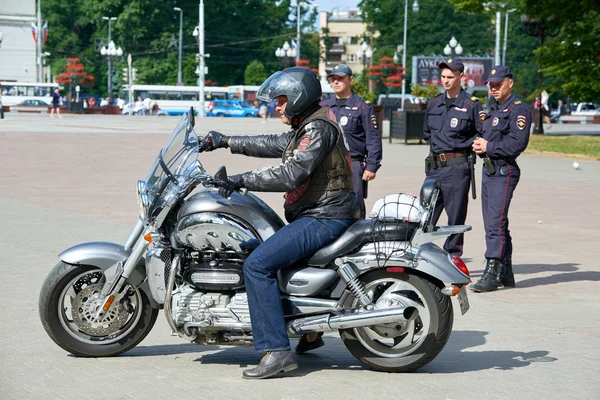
pixel 452 121
pixel 505 136
pixel 360 126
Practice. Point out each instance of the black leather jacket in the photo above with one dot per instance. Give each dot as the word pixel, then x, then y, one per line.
pixel 296 170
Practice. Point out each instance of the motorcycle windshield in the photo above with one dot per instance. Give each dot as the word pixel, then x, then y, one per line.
pixel 172 164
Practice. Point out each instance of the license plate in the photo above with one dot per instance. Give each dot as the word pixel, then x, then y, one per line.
pixel 463 300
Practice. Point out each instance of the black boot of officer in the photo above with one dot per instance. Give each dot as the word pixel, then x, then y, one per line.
pixel 507 278
pixel 490 280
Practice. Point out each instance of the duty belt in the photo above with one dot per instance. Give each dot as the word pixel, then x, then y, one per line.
pixel 443 157
pixel 358 158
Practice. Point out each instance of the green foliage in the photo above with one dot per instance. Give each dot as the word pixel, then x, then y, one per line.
pixel 255 73
pixel 236 32
pixel 426 92
pixel 568 60
pixel 428 30
pixel 362 89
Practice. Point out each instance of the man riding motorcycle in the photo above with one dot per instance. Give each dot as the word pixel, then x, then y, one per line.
pixel 320 203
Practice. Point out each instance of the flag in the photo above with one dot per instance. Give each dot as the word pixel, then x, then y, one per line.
pixel 293 44
pixel 45 30
pixel 34 32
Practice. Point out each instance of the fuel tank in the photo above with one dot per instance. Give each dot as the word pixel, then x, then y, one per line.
pixel 250 215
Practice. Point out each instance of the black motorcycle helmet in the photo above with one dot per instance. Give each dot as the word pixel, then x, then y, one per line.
pixel 301 87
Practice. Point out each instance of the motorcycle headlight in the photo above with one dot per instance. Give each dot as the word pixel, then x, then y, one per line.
pixel 144 200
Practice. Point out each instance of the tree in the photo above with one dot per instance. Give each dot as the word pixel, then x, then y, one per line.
pixel 255 73
pixel 385 74
pixel 569 60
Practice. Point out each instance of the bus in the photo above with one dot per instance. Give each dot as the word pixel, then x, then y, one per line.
pixel 247 93
pixel 176 100
pixel 14 93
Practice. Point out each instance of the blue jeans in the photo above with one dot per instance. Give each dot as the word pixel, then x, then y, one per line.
pixel 290 244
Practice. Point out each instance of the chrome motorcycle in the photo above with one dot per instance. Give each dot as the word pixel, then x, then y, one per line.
pixel 383 283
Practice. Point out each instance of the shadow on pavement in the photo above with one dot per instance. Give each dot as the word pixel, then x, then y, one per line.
pixel 453 359
pixel 168 349
pixel 569 274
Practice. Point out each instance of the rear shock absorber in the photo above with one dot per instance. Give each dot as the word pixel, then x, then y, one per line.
pixel 348 274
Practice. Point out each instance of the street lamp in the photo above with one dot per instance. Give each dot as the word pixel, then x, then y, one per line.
pixel 286 52
pixel 415 8
pixel 179 73
pixel 538 27
pixel 453 45
pixel 201 70
pixel 365 52
pixel 111 51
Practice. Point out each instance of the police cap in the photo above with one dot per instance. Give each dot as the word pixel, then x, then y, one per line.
pixel 452 63
pixel 499 72
pixel 341 70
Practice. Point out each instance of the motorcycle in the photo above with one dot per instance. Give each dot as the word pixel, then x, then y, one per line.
pixel 383 283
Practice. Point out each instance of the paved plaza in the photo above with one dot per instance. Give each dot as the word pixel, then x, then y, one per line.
pixel 71 180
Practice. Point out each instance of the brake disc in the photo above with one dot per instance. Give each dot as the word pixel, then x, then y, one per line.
pixel 85 306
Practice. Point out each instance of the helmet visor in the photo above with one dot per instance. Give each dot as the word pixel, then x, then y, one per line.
pixel 280 84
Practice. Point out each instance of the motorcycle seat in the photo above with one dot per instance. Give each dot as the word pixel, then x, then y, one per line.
pixel 361 232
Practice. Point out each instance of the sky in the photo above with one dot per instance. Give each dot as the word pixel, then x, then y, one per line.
pixel 327 5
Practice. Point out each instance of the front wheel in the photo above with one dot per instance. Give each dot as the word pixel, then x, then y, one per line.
pixel 68 308
pixel 401 347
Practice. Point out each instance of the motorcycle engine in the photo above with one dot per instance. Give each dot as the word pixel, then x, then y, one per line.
pixel 210 310
pixel 211 270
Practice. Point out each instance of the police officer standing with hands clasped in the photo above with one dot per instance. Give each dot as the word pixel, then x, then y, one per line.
pixel 360 126
pixel 452 121
pixel 505 136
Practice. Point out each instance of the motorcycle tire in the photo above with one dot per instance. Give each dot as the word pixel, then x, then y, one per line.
pixel 66 334
pixel 433 326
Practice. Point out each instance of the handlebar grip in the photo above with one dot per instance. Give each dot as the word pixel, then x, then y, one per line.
pixel 243 191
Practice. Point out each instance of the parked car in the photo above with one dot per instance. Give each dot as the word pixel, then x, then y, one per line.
pixel 129 109
pixel 32 105
pixel 585 109
pixel 231 108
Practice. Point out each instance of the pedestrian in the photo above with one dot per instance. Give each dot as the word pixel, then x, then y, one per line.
pixel 262 111
pixel 138 108
pixel 361 130
pixel 55 103
pixel 147 105
pixel 452 121
pixel 320 203
pixel 543 108
pixel 505 137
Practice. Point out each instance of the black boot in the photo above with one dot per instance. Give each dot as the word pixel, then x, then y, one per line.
pixel 305 345
pixel 271 364
pixel 507 278
pixel 490 280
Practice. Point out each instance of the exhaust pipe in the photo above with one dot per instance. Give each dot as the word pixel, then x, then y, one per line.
pixel 351 319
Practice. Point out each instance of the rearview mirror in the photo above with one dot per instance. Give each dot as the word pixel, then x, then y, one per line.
pixel 221 174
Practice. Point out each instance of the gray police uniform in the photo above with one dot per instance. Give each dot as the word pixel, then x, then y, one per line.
pixel 450 127
pixel 506 128
pixel 360 127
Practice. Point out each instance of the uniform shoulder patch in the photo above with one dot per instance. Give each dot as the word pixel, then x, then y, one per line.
pixel 518 102
pixel 521 122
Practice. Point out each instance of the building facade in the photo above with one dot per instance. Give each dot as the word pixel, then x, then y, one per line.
pixel 345 30
pixel 17 48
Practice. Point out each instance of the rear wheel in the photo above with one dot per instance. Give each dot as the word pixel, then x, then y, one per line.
pixel 401 347
pixel 220 115
pixel 69 305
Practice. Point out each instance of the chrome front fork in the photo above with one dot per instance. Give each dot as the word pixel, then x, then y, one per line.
pixel 118 274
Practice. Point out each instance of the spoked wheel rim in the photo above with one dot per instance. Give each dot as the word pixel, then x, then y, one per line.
pixel 397 339
pixel 78 308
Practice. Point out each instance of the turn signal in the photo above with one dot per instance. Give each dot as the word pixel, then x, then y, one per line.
pixel 460 264
pixel 108 303
pixel 148 237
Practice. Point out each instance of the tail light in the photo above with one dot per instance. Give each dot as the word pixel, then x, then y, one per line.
pixel 211 106
pixel 460 264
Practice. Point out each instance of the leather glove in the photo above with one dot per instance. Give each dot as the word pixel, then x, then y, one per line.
pixel 232 184
pixel 215 140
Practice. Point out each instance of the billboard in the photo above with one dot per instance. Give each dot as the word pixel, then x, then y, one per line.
pixel 425 70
